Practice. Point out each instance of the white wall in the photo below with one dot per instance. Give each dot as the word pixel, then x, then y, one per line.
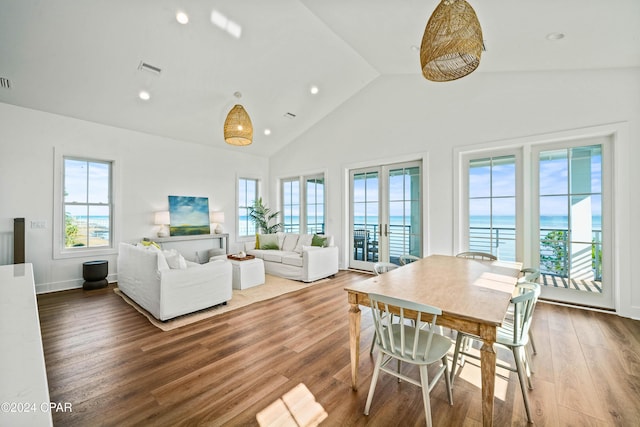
pixel 150 169
pixel 404 116
pixel 394 118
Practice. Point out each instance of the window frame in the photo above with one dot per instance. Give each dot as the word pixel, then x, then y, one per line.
pixel 258 192
pixel 492 156
pixel 60 251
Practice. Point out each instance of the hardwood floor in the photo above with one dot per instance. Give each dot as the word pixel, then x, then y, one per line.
pixel 115 368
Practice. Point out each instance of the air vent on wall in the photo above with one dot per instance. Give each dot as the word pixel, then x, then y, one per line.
pixel 150 68
pixel 5 83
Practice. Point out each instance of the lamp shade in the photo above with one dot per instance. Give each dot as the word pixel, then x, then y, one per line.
pixel 162 218
pixel 238 129
pixel 452 42
pixel 216 217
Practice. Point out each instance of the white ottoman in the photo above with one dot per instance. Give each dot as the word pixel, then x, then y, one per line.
pixel 248 273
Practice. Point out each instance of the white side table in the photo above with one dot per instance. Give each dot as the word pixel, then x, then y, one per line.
pixel 247 273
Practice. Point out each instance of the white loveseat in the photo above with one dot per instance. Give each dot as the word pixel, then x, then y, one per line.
pixel 293 256
pixel 144 276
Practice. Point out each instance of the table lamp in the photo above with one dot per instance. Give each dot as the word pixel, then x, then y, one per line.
pixel 162 219
pixel 217 218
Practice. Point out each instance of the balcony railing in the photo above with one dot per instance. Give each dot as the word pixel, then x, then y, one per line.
pixel 555 257
pixel 401 241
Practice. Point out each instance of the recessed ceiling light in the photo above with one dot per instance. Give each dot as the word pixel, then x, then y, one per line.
pixel 267 131
pixel 555 36
pixel 144 95
pixel 182 17
pixel 314 90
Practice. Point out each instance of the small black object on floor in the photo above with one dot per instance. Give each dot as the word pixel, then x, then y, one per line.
pixel 95 274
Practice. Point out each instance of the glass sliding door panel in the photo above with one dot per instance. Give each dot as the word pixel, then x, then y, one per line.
pixel 405 224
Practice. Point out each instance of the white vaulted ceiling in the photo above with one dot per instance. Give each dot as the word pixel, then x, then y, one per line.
pixel 80 58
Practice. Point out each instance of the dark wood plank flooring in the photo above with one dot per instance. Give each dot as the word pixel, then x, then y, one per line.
pixel 116 369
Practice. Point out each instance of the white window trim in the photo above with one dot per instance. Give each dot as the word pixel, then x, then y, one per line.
pixel 59 251
pixel 462 230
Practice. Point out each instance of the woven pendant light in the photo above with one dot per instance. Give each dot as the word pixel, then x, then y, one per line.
pixel 238 129
pixel 452 42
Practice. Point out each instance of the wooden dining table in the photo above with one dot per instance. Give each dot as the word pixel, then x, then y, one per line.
pixel 473 295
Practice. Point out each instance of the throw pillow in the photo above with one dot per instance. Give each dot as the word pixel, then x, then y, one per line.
pixel 290 241
pixel 303 240
pixel 149 243
pixel 217 253
pixel 269 241
pixel 318 240
pixel 257 241
pixel 175 260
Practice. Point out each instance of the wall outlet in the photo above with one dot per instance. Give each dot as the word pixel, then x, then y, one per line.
pixel 38 224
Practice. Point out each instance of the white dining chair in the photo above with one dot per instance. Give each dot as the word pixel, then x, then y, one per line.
pixel 408 259
pixel 380 268
pixel 477 255
pixel 418 345
pixel 514 335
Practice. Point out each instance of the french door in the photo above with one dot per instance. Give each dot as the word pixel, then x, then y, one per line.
pixel 573 222
pixel 385 214
pixel 551 210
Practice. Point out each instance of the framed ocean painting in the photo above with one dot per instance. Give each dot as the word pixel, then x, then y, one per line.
pixel 188 216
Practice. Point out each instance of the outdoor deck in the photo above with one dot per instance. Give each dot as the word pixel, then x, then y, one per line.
pixel 562 282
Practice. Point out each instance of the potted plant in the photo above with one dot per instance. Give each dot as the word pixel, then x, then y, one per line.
pixel 261 216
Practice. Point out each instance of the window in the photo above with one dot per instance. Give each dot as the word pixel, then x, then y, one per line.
pixel 492 206
pixel 314 188
pixel 88 205
pixel 291 205
pixel 303 211
pixel 247 194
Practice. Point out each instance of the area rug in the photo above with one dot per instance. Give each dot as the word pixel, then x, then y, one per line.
pixel 272 288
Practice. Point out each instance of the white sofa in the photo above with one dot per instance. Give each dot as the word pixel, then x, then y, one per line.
pixel 294 257
pixel 144 276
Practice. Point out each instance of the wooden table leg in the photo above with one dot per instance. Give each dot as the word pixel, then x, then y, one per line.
pixel 354 343
pixel 488 372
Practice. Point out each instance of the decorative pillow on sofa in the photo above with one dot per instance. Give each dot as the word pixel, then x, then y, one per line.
pixel 174 259
pixel 290 241
pixel 303 240
pixel 149 244
pixel 269 241
pixel 216 254
pixel 318 240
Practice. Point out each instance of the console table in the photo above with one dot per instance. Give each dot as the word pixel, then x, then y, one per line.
pixel 189 246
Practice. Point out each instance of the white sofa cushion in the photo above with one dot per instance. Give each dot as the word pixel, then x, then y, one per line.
pixel 290 242
pixel 272 255
pixel 303 240
pixel 292 259
pixel 175 259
